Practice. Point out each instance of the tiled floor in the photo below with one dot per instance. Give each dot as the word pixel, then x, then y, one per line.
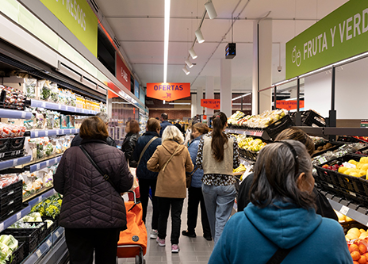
pixel 192 250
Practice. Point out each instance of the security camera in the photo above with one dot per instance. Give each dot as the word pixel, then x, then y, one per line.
pixel 279 69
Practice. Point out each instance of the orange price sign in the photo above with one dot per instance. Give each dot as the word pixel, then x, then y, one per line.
pixel 168 91
pixel 211 103
pixel 288 105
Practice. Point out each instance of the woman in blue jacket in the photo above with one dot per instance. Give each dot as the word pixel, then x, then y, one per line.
pixel 195 189
pixel 281 221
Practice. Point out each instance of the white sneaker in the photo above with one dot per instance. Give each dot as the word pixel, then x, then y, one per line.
pixel 153 234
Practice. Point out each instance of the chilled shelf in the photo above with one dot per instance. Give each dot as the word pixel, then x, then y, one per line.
pixel 62 108
pixel 44 164
pixel 50 133
pixel 14 162
pixel 15 114
pixel 247 132
pixel 12 219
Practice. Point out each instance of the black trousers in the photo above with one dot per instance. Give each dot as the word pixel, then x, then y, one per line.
pixel 82 243
pixel 196 197
pixel 164 205
pixel 144 186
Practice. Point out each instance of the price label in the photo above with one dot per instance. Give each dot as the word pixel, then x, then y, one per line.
pixel 1 227
pixel 24 114
pixel 59 106
pixel 48 242
pixel 38 253
pixel 344 210
pixel 43 105
pixel 38 166
pixel 353 194
pixel 48 163
pixel 322 160
pixel 57 234
pixel 39 199
pixel 46 133
pixel 19 215
pixel 15 162
pixel 36 134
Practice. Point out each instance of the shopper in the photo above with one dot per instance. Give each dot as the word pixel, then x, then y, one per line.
pixel 323 206
pixel 195 195
pixel 93 212
pixel 218 154
pixel 281 218
pixel 143 151
pixel 131 138
pixel 164 123
pixel 171 160
pixel 188 133
pixel 104 117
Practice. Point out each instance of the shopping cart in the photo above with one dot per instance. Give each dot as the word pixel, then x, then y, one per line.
pixel 133 240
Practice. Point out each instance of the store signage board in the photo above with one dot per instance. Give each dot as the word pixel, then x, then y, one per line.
pixel 211 103
pixel 168 91
pixel 289 105
pixel 79 18
pixel 122 72
pixel 364 123
pixel 340 35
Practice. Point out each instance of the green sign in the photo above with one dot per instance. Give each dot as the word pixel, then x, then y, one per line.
pixel 78 17
pixel 338 36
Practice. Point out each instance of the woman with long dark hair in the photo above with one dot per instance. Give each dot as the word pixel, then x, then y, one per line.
pixel 218 155
pixel 131 138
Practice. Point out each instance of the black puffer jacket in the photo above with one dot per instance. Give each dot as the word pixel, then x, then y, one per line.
pixel 89 200
pixel 128 147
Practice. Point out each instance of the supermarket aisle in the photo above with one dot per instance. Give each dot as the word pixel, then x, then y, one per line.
pixel 192 250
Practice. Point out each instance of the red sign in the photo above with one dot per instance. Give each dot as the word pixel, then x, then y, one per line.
pixel 211 103
pixel 122 72
pixel 288 105
pixel 168 91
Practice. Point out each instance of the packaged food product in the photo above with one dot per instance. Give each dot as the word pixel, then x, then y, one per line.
pixel 30 84
pixel 54 93
pixel 44 89
pixel 11 131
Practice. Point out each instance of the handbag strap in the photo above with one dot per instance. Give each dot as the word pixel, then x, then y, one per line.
pixel 144 149
pixel 163 169
pixel 279 256
pixel 104 175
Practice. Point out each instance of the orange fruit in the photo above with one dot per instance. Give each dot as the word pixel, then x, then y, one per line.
pixel 353 247
pixel 366 256
pixel 355 255
pixel 355 262
pixel 362 248
pixel 362 260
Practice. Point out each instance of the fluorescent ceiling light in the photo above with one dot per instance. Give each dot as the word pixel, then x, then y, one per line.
pixel 190 65
pixel 192 53
pixel 186 70
pixel 199 35
pixel 236 98
pixel 210 9
pixel 166 38
pixel 179 103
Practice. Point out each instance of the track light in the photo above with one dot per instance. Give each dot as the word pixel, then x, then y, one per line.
pixel 199 35
pixel 210 9
pixel 192 53
pixel 190 65
pixel 185 70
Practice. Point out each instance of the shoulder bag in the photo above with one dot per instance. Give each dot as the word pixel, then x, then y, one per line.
pixel 164 167
pixel 189 177
pixel 104 175
pixel 144 149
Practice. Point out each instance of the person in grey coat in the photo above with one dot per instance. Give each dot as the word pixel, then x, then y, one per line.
pixel 195 189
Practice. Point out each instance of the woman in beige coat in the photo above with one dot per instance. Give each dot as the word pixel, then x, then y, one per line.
pixel 172 161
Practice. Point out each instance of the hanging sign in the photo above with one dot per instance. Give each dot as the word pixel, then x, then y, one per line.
pixel 79 18
pixel 122 72
pixel 168 91
pixel 340 35
pixel 211 103
pixel 288 105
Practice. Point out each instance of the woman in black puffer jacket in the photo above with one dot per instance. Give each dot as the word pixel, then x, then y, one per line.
pixel 131 138
pixel 93 212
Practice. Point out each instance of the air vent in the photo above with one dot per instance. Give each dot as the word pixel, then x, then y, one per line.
pixel 95 6
pixel 117 43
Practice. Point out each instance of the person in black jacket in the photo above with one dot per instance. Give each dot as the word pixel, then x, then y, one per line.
pixel 147 179
pixel 77 140
pixel 323 206
pixel 131 138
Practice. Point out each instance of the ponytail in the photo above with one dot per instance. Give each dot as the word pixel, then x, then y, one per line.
pixel 218 138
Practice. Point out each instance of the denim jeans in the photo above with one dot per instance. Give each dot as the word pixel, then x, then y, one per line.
pixel 219 202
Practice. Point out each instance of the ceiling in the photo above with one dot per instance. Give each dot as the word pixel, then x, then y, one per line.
pixel 139 27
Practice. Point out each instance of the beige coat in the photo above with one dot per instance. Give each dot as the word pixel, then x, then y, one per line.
pixel 171 183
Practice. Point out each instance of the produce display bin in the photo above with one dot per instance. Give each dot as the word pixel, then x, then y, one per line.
pixel 12 206
pixel 276 128
pixel 18 255
pixel 27 235
pixel 42 231
pixel 310 118
pixel 16 143
pixel 247 154
pixel 336 146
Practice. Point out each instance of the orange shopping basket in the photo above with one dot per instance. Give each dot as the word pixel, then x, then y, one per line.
pixel 133 240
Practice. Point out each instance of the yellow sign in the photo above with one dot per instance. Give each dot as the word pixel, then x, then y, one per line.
pixel 79 18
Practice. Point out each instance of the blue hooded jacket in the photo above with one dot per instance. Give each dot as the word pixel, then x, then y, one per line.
pixel 164 124
pixel 142 171
pixel 253 236
pixel 197 176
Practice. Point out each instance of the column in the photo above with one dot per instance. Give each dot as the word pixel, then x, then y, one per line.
pixel 225 89
pixel 262 66
pixel 210 83
pixel 199 97
pixel 193 104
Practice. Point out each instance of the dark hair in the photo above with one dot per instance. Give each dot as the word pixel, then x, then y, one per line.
pixel 164 116
pixel 298 135
pixel 275 178
pixel 219 139
pixel 93 128
pixel 201 128
pixel 133 126
pixel 158 118
pixel 153 124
